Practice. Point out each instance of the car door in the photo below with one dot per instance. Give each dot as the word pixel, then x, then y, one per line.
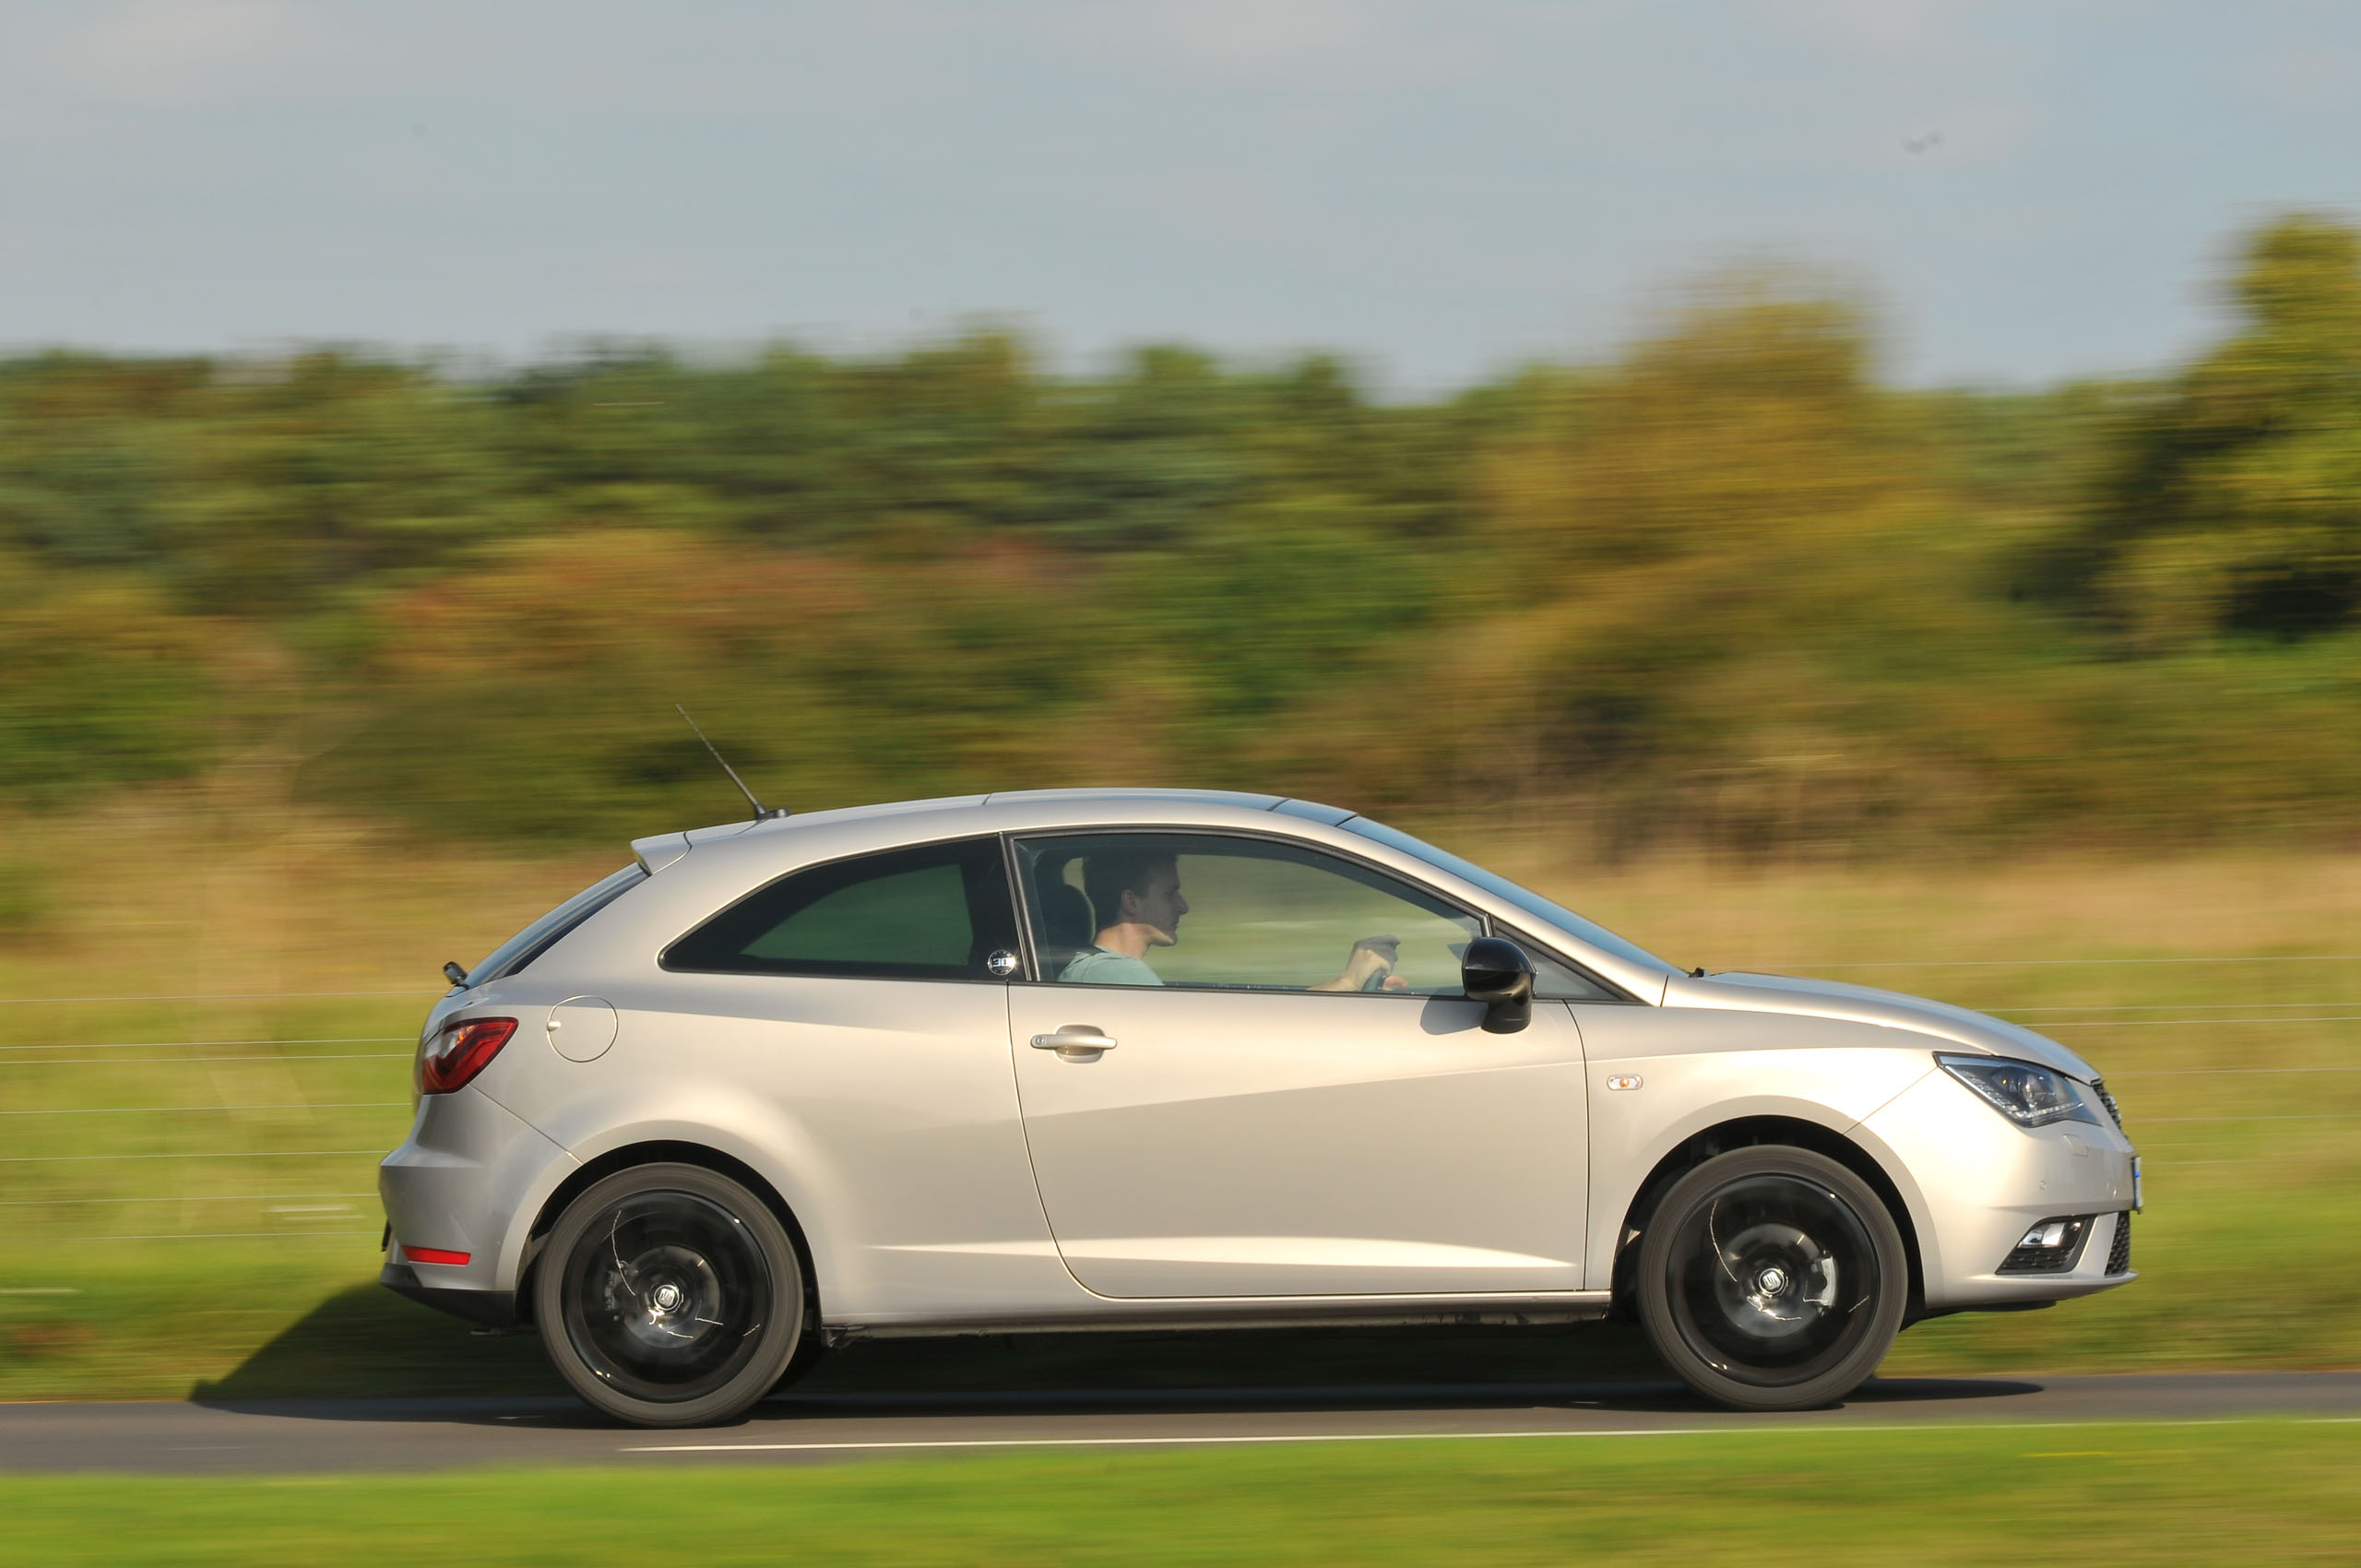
pixel 1216 1116
pixel 857 1009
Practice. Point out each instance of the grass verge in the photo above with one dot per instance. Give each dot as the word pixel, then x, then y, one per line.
pixel 2152 1494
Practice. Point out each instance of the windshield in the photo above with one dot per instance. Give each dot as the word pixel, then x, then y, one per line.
pixel 542 935
pixel 1524 899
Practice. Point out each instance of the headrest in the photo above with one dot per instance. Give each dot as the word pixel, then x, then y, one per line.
pixel 1065 916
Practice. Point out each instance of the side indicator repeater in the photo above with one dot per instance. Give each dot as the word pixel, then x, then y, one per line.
pixel 1625 1081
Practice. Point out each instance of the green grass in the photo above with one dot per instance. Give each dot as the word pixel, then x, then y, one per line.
pixel 2149 1494
pixel 272 1291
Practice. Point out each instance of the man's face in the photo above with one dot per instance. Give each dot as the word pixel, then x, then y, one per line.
pixel 1159 906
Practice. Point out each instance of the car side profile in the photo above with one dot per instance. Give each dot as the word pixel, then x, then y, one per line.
pixel 1177 1058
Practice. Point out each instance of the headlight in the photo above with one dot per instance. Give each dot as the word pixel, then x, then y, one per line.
pixel 2027 1095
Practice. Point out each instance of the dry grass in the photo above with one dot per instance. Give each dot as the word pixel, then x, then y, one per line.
pixel 204 899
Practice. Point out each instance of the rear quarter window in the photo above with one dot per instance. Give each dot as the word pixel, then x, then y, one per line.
pixel 936 911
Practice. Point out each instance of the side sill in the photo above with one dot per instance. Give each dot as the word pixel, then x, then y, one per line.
pixel 491 1309
pixel 1136 1317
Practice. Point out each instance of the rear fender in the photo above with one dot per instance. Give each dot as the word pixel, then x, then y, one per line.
pixel 771 1144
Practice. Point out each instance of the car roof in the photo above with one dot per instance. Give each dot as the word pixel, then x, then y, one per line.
pixel 1118 801
pixel 1114 796
pixel 1079 804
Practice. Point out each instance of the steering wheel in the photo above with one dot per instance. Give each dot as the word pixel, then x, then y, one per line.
pixel 1388 948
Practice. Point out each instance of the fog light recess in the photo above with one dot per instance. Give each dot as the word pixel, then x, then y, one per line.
pixel 2054 1246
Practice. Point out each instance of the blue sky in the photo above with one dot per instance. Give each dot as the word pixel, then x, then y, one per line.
pixel 1435 190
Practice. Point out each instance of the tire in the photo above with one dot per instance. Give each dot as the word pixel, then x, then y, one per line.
pixel 1771 1278
pixel 670 1296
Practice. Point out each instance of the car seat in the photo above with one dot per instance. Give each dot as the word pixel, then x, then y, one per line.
pixel 1067 927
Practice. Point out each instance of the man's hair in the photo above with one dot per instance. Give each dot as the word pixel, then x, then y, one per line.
pixel 1108 872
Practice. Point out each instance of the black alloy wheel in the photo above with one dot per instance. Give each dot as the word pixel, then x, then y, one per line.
pixel 670 1296
pixel 1771 1278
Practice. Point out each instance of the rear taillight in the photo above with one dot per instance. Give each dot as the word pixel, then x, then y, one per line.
pixel 460 1052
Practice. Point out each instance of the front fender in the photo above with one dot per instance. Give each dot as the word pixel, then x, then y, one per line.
pixel 1659 1081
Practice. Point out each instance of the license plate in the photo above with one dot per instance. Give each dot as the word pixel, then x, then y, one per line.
pixel 2136 1205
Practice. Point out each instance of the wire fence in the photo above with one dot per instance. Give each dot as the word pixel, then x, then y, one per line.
pixel 236 1236
pixel 2202 1012
pixel 182 1198
pixel 199 1061
pixel 179 1110
pixel 1801 964
pixel 313 1040
pixel 2219 1072
pixel 312 1214
pixel 2053 963
pixel 2188 1022
pixel 213 997
pixel 190 1153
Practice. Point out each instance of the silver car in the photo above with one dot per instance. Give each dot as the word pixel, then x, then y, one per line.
pixel 1104 1059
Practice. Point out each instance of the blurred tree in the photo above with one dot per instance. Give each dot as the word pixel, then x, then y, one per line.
pixel 87 455
pixel 2235 502
pixel 102 684
pixel 532 695
pixel 1750 420
pixel 1726 588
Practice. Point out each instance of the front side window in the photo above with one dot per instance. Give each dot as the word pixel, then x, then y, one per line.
pixel 1554 980
pixel 940 912
pixel 1208 910
pixel 1524 899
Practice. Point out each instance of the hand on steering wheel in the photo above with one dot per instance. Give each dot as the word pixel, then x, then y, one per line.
pixel 1371 968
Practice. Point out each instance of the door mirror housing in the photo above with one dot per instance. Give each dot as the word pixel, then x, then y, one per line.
pixel 1497 973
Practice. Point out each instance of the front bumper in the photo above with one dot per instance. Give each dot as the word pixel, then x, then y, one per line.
pixel 1985 1182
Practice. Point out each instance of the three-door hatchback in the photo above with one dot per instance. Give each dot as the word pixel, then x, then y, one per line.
pixel 1183 1059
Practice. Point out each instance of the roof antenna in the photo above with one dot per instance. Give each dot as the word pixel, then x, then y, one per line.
pixel 760 814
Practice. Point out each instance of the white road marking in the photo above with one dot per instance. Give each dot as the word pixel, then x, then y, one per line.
pixel 1784 1429
pixel 1138 1442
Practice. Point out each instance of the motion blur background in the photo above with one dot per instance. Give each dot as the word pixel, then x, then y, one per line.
pixel 1831 428
pixel 1869 488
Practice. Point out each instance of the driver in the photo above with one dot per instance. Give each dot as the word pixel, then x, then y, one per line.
pixel 1137 897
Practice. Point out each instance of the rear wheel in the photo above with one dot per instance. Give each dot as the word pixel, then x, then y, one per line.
pixel 670 1296
pixel 1771 1278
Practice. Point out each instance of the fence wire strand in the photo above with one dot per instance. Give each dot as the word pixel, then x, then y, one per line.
pixel 2246 1014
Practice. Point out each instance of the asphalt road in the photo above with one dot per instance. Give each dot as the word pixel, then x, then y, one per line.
pixel 424 1434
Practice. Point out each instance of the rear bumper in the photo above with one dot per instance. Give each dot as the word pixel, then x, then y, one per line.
pixel 463 1188
pixel 490 1309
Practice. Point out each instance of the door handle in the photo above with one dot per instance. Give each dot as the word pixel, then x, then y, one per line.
pixel 1075 1042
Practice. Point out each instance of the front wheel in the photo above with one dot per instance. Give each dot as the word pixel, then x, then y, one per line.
pixel 668 1296
pixel 1771 1278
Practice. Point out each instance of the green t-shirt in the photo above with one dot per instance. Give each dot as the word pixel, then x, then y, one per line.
pixel 1099 967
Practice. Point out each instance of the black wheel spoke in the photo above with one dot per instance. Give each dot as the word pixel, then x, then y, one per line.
pixel 666 1297
pixel 669 1295
pixel 1770 1278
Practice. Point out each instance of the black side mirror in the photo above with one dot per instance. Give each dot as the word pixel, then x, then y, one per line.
pixel 1498 974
